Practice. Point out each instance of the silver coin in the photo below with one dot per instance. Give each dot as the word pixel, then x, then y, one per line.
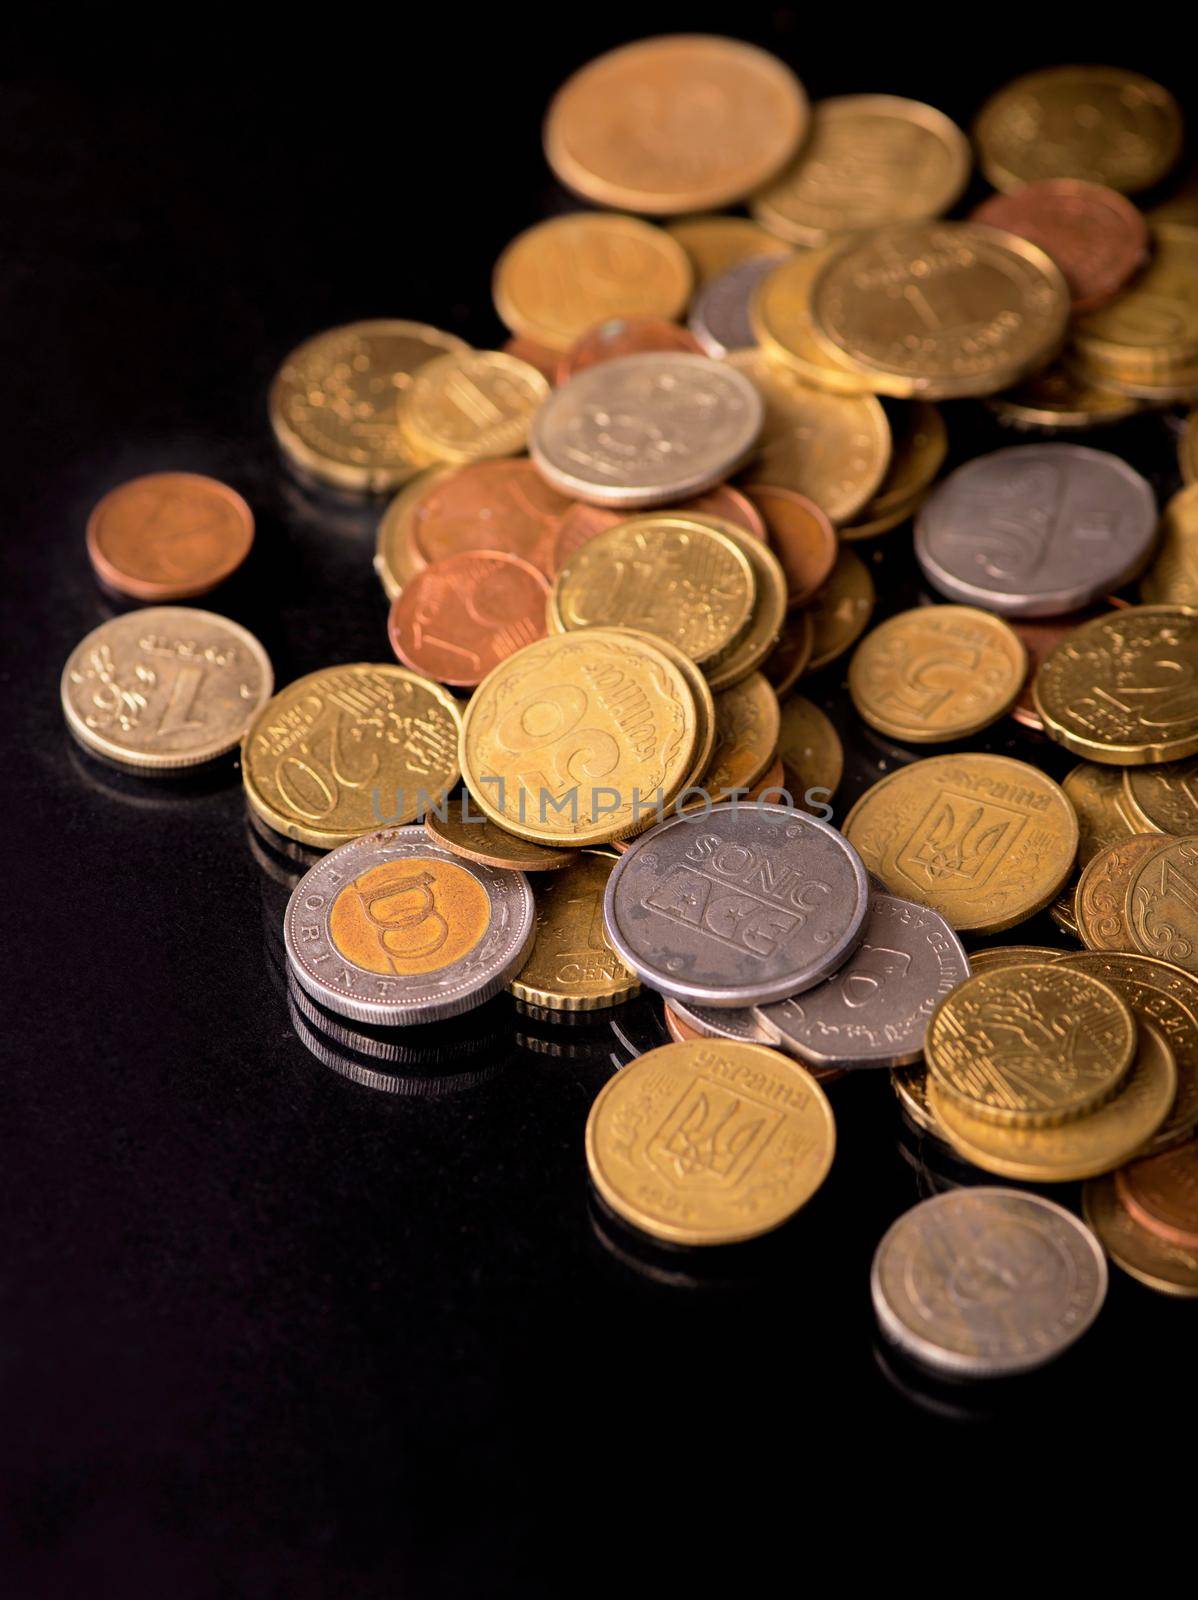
pixel 646 430
pixel 1036 530
pixel 986 1282
pixel 735 1022
pixel 738 905
pixel 874 1011
pixel 410 963
pixel 719 318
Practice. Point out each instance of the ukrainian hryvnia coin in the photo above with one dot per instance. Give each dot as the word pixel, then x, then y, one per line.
pixel 716 244
pixel 479 839
pixel 1172 579
pixel 1036 530
pixel 984 840
pixel 470 405
pixel 937 673
pixel 1105 815
pixel 571 966
pixel 764 631
pixel 738 905
pixel 941 310
pixel 1030 1046
pixel 1163 799
pixel 339 752
pixel 1161 1193
pixel 747 720
pixel 391 928
pixel 1122 690
pixel 682 123
pixel 560 278
pixel 575 739
pixel 1161 905
pixel 646 430
pixel 165 688
pixel 983 1283
pixel 1010 955
pixel 1100 900
pixel 334 405
pixel 1165 1267
pixel 874 1011
pixel 709 1142
pixel 870 159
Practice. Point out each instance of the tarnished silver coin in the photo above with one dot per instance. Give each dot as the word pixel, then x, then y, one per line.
pixel 392 928
pixel 874 1011
pixel 985 1282
pixel 646 430
pixel 738 905
pixel 733 1022
pixel 719 318
pixel 1037 530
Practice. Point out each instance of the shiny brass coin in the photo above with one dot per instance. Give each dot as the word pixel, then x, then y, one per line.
pixel 1142 1255
pixel 674 576
pixel 349 749
pixel 470 405
pixel 1153 326
pixel 478 839
pixel 910 1085
pixel 1161 1193
pixel 1100 899
pixel 869 159
pixel 1162 903
pixel 714 245
pixel 1176 381
pixel 571 966
pixel 561 277
pixel 705 726
pixel 1163 799
pixel 841 611
pixel 709 1142
pixel 920 446
pixel 747 720
pixel 1063 911
pixel 1104 815
pixel 905 305
pixel 1103 124
pixel 1172 579
pixel 787 661
pixel 769 609
pixel 984 840
pixel 1061 396
pixel 1122 690
pixel 832 448
pixel 937 673
pixel 811 751
pixel 1010 955
pixel 334 405
pixel 780 316
pixel 1187 450
pixel 397 559
pixel 1089 1145
pixel 1030 1046
pixel 570 740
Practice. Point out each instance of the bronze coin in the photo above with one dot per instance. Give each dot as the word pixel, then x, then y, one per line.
pixel 679 1030
pixel 1096 237
pixel 624 336
pixel 169 536
pixel 1161 1193
pixel 490 505
pixel 583 522
pixel 801 536
pixel 458 618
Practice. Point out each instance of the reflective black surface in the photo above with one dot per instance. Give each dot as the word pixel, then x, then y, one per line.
pixel 294 1308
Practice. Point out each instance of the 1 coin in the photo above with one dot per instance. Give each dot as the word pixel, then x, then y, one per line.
pixel 1100 899
pixel 1104 815
pixel 479 839
pixel 801 536
pixel 747 721
pixel 470 405
pixel 1161 1193
pixel 571 966
pixel 169 536
pixel 1163 799
pixel 455 620
pixel 1142 1255
pixel 810 747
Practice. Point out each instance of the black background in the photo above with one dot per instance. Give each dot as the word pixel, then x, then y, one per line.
pixel 265 1330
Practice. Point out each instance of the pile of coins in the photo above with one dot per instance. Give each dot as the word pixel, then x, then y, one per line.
pixel 615 546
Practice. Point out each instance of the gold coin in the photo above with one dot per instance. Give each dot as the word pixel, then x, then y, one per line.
pixel 1100 900
pixel 685 122
pixel 937 673
pixel 350 749
pixel 1163 799
pixel 471 405
pixel 1160 387
pixel 570 740
pixel 1030 1046
pixel 164 688
pixel 1172 579
pixel 1010 955
pixel 571 966
pixel 811 751
pixel 1103 124
pixel 668 575
pixel 1122 690
pixel 747 721
pixel 1091 1144
pixel 396 558
pixel 1061 396
pixel 920 446
pixel 985 840
pixel 1187 450
pixel 780 315
pixel 334 405
pixel 1153 325
pixel 841 610
pixel 709 1142
pixel 769 608
pixel 479 839
pixel 833 448
pixel 1155 1262
pixel 714 245
pixel 870 159
pixel 1162 903
pixel 1063 912
pixel 941 309
pixel 1104 815
pixel 910 1084
pixel 788 660
pixel 704 703
pixel 561 277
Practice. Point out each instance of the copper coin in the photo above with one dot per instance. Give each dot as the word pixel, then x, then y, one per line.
pixel 583 522
pixel 801 536
pixel 169 536
pixel 491 505
pixel 624 336
pixel 1162 1194
pixel 481 840
pixel 1096 237
pixel 460 617
pixel 1040 636
pixel 537 355
pixel 679 1030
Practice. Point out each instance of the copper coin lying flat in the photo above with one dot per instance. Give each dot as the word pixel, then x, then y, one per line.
pixel 624 336
pixel 1162 1194
pixel 460 617
pixel 491 505
pixel 169 536
pixel 802 538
